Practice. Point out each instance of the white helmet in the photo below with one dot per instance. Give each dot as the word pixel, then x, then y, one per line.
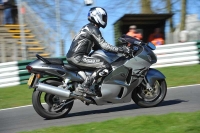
pixel 98 16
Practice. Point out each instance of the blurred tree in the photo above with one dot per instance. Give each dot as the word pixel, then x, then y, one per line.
pixel 46 9
pixel 169 9
pixel 183 14
pixel 69 8
pixel 146 6
pixel 62 18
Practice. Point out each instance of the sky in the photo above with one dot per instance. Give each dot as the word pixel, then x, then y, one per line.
pixel 78 18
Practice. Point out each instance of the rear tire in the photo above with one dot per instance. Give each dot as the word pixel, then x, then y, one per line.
pixel 145 98
pixel 47 112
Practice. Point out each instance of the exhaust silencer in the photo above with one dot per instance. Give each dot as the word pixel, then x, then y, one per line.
pixel 60 92
pixel 53 90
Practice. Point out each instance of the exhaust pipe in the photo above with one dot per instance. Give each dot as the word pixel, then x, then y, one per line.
pixel 59 92
pixel 53 90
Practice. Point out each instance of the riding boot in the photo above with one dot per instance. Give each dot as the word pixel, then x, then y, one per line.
pixel 85 86
pixel 98 74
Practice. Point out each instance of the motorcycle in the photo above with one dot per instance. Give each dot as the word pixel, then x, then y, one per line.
pixel 131 78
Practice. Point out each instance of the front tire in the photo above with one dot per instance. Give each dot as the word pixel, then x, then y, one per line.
pixel 48 109
pixel 145 98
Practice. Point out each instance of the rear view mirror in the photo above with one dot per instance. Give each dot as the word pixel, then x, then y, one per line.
pixel 151 46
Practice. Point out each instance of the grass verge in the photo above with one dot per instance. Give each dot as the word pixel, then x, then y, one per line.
pixel 181 75
pixel 175 76
pixel 168 123
pixel 15 96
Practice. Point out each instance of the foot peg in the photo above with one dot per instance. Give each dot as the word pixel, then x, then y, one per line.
pixel 103 73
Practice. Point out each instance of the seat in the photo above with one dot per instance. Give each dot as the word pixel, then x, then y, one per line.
pixel 55 61
pixel 71 67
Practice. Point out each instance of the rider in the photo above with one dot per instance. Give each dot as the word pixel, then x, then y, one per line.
pixel 90 38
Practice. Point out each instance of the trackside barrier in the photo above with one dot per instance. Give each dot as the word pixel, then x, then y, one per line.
pixel 15 73
pixel 177 54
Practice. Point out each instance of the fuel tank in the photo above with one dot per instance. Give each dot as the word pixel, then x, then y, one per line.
pixel 105 55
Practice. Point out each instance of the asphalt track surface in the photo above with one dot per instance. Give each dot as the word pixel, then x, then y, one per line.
pixel 181 99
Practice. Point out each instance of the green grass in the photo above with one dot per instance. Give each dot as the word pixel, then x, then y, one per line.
pixel 175 76
pixel 181 75
pixel 15 96
pixel 168 123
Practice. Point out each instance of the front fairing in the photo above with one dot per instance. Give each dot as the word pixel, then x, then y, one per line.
pixel 145 50
pixel 144 59
pixel 148 55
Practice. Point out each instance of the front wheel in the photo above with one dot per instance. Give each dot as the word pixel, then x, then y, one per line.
pixel 146 98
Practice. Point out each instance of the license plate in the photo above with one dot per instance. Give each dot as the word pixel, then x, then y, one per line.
pixel 31 79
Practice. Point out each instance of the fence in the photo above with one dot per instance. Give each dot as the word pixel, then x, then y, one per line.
pixel 14 73
pixel 177 54
pixel 9 50
pixel 43 33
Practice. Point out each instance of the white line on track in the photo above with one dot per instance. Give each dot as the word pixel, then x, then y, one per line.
pixel 183 86
pixel 16 107
pixel 44 103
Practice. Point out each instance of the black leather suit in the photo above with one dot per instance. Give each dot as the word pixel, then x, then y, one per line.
pixel 89 38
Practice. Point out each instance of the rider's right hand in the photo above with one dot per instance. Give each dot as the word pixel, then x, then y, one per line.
pixel 124 50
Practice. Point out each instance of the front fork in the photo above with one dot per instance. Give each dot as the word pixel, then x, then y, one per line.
pixel 151 77
pixel 147 85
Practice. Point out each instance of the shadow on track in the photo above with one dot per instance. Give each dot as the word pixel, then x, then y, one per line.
pixel 171 102
pixel 123 108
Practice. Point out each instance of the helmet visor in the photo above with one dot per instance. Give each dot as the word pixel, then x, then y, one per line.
pixel 104 18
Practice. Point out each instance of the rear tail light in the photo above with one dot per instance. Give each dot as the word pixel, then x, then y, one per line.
pixel 29 68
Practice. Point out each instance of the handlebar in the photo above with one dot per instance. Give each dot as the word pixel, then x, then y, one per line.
pixel 128 39
pixel 132 52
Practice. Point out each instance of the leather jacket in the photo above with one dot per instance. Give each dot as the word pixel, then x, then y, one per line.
pixel 89 38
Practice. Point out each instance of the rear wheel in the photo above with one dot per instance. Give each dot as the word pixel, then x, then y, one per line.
pixel 146 98
pixel 50 106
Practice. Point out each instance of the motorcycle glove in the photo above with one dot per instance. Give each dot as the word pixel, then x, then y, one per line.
pixel 124 50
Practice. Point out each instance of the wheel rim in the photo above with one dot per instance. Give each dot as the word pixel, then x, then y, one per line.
pixel 53 105
pixel 148 95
